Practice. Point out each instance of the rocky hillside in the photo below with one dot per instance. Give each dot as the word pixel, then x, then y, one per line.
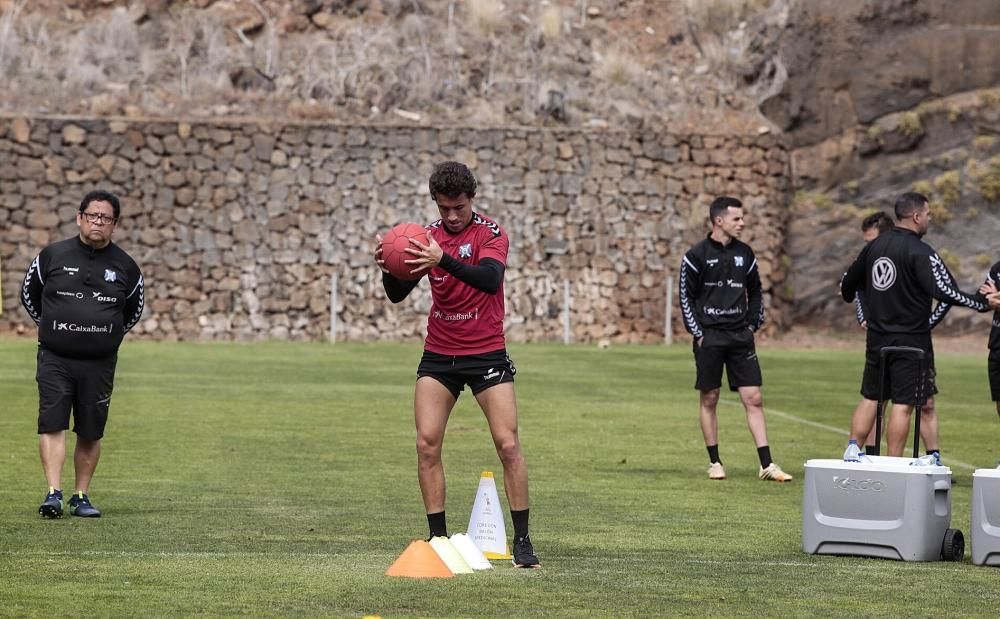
pixel 878 98
pixel 617 63
pixel 874 98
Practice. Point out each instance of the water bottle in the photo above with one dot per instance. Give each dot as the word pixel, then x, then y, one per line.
pixel 928 460
pixel 853 452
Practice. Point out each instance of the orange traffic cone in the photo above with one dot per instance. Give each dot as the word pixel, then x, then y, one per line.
pixel 419 561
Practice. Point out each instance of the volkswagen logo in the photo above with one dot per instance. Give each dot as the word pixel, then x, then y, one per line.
pixel 883 274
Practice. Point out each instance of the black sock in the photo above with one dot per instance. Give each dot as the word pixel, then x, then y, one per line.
pixel 764 453
pixel 870 450
pixel 436 522
pixel 713 453
pixel 520 519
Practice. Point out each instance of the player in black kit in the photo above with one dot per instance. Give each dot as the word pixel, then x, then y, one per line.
pixel 722 305
pixel 84 294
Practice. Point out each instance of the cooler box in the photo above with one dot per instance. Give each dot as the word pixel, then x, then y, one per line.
pixel 986 517
pixel 886 508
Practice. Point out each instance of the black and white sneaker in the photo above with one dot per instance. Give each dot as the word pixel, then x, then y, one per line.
pixel 524 554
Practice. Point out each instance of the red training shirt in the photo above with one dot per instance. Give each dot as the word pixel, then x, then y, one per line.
pixel 464 320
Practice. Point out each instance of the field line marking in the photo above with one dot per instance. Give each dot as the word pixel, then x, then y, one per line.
pixel 172 554
pixel 822 426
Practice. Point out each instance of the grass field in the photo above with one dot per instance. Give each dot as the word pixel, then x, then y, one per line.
pixel 279 479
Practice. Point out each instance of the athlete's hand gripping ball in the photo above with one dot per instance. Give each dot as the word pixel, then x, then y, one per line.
pixel 392 253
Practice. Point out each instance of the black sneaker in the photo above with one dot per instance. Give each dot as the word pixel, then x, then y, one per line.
pixel 52 506
pixel 79 505
pixel 524 554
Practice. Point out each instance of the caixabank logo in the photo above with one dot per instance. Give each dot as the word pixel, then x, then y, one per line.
pixel 861 485
pixel 72 326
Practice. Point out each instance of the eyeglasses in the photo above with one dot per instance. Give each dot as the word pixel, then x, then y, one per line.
pixel 99 218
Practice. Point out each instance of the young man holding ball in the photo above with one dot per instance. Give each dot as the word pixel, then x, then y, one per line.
pixel 464 258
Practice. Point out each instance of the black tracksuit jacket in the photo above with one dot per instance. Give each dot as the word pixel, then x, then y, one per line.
pixel 720 288
pixel 83 299
pixel 898 275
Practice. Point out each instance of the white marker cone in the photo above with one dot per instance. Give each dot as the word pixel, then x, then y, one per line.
pixel 472 555
pixel 486 528
pixel 450 555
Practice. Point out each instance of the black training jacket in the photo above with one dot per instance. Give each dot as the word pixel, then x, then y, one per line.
pixel 83 299
pixel 720 287
pixel 940 311
pixel 993 276
pixel 898 275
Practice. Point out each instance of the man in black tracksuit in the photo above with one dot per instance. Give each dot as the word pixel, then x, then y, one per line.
pixel 84 294
pixel 722 305
pixel 899 275
pixel 993 364
pixel 871 227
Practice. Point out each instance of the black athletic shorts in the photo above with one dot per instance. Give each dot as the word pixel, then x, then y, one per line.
pixel 477 371
pixel 81 385
pixel 902 379
pixel 733 350
pixel 993 366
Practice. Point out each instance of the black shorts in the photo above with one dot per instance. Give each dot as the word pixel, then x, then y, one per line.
pixel 478 371
pixel 733 350
pixel 81 385
pixel 902 376
pixel 993 367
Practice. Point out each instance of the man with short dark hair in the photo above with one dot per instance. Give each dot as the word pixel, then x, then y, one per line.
pixel 465 259
pixel 871 227
pixel 84 293
pixel 899 275
pixel 722 305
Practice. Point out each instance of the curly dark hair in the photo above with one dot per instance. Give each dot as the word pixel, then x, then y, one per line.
pixel 879 219
pixel 451 179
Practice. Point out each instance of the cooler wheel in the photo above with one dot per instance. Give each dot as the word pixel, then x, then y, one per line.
pixel 953 548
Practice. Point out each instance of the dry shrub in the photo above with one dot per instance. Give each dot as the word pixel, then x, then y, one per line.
pixel 367 66
pixel 550 22
pixel 617 65
pixel 721 16
pixel 10 42
pixel 104 50
pixel 486 16
pixel 987 178
pixel 719 31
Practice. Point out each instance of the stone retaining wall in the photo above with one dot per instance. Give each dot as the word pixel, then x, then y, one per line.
pixel 240 226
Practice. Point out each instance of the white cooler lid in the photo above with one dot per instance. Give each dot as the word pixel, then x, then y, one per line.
pixel 880 464
pixel 986 473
